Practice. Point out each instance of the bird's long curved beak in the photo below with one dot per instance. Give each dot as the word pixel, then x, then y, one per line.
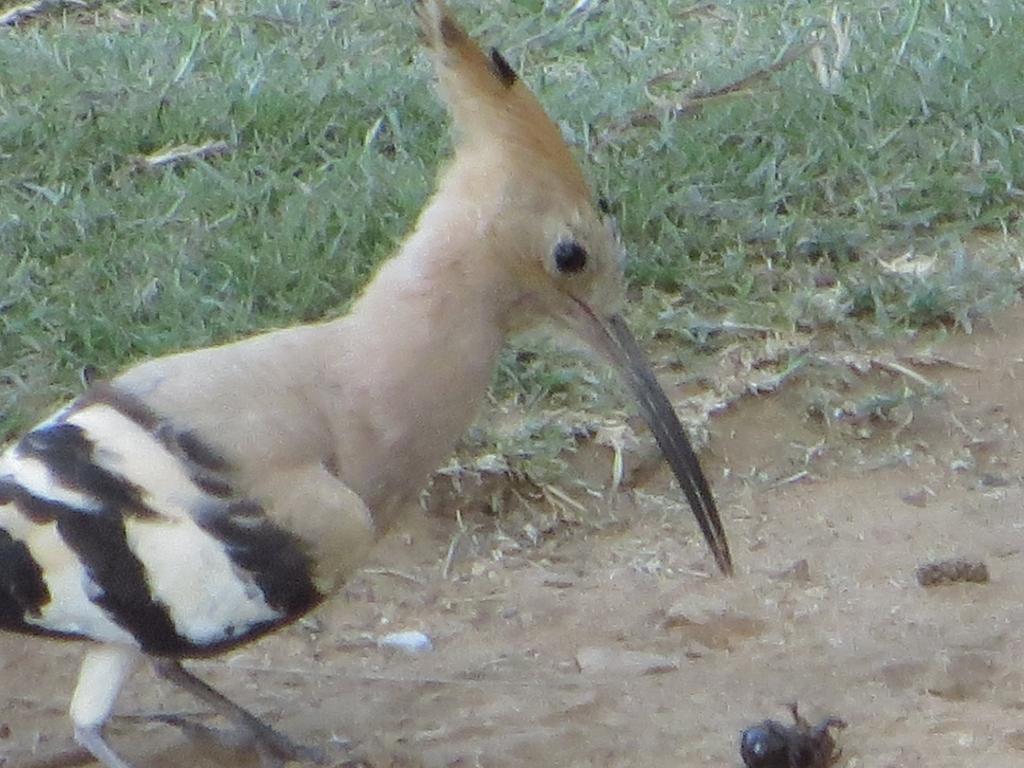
pixel 613 339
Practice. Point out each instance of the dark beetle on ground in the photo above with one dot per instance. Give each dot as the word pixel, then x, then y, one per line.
pixel 801 745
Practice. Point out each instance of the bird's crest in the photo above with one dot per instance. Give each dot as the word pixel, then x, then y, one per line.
pixel 491 107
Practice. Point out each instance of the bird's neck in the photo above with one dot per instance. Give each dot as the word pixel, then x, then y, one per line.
pixel 419 349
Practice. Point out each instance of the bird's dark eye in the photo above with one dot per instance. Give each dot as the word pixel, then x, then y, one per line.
pixel 570 256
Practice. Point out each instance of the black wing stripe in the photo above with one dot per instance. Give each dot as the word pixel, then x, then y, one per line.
pixel 199 456
pixel 98 539
pixel 70 457
pixel 129 406
pixel 199 453
pixel 38 509
pixel 278 561
pixel 22 588
pixel 122 589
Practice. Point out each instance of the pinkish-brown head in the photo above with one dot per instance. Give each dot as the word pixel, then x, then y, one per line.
pixel 515 186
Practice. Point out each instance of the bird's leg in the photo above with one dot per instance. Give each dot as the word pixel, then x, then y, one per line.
pixel 273 747
pixel 229 738
pixel 104 670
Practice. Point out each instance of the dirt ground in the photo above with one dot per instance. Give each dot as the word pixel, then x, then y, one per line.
pixel 613 644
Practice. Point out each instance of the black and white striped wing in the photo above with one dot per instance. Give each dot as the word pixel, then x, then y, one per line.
pixel 117 527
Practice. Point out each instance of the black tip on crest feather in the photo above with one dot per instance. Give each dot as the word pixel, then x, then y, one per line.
pixel 502 69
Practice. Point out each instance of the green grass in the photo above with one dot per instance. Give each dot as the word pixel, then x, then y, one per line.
pixel 771 207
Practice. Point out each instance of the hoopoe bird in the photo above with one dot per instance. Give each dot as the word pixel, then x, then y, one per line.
pixel 198 501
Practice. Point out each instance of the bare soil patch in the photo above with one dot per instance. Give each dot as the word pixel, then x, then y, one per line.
pixel 614 644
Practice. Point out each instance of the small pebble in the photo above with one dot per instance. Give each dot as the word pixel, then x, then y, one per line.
pixel 952 571
pixel 915 498
pixel 799 572
pixel 991 480
pixel 410 642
